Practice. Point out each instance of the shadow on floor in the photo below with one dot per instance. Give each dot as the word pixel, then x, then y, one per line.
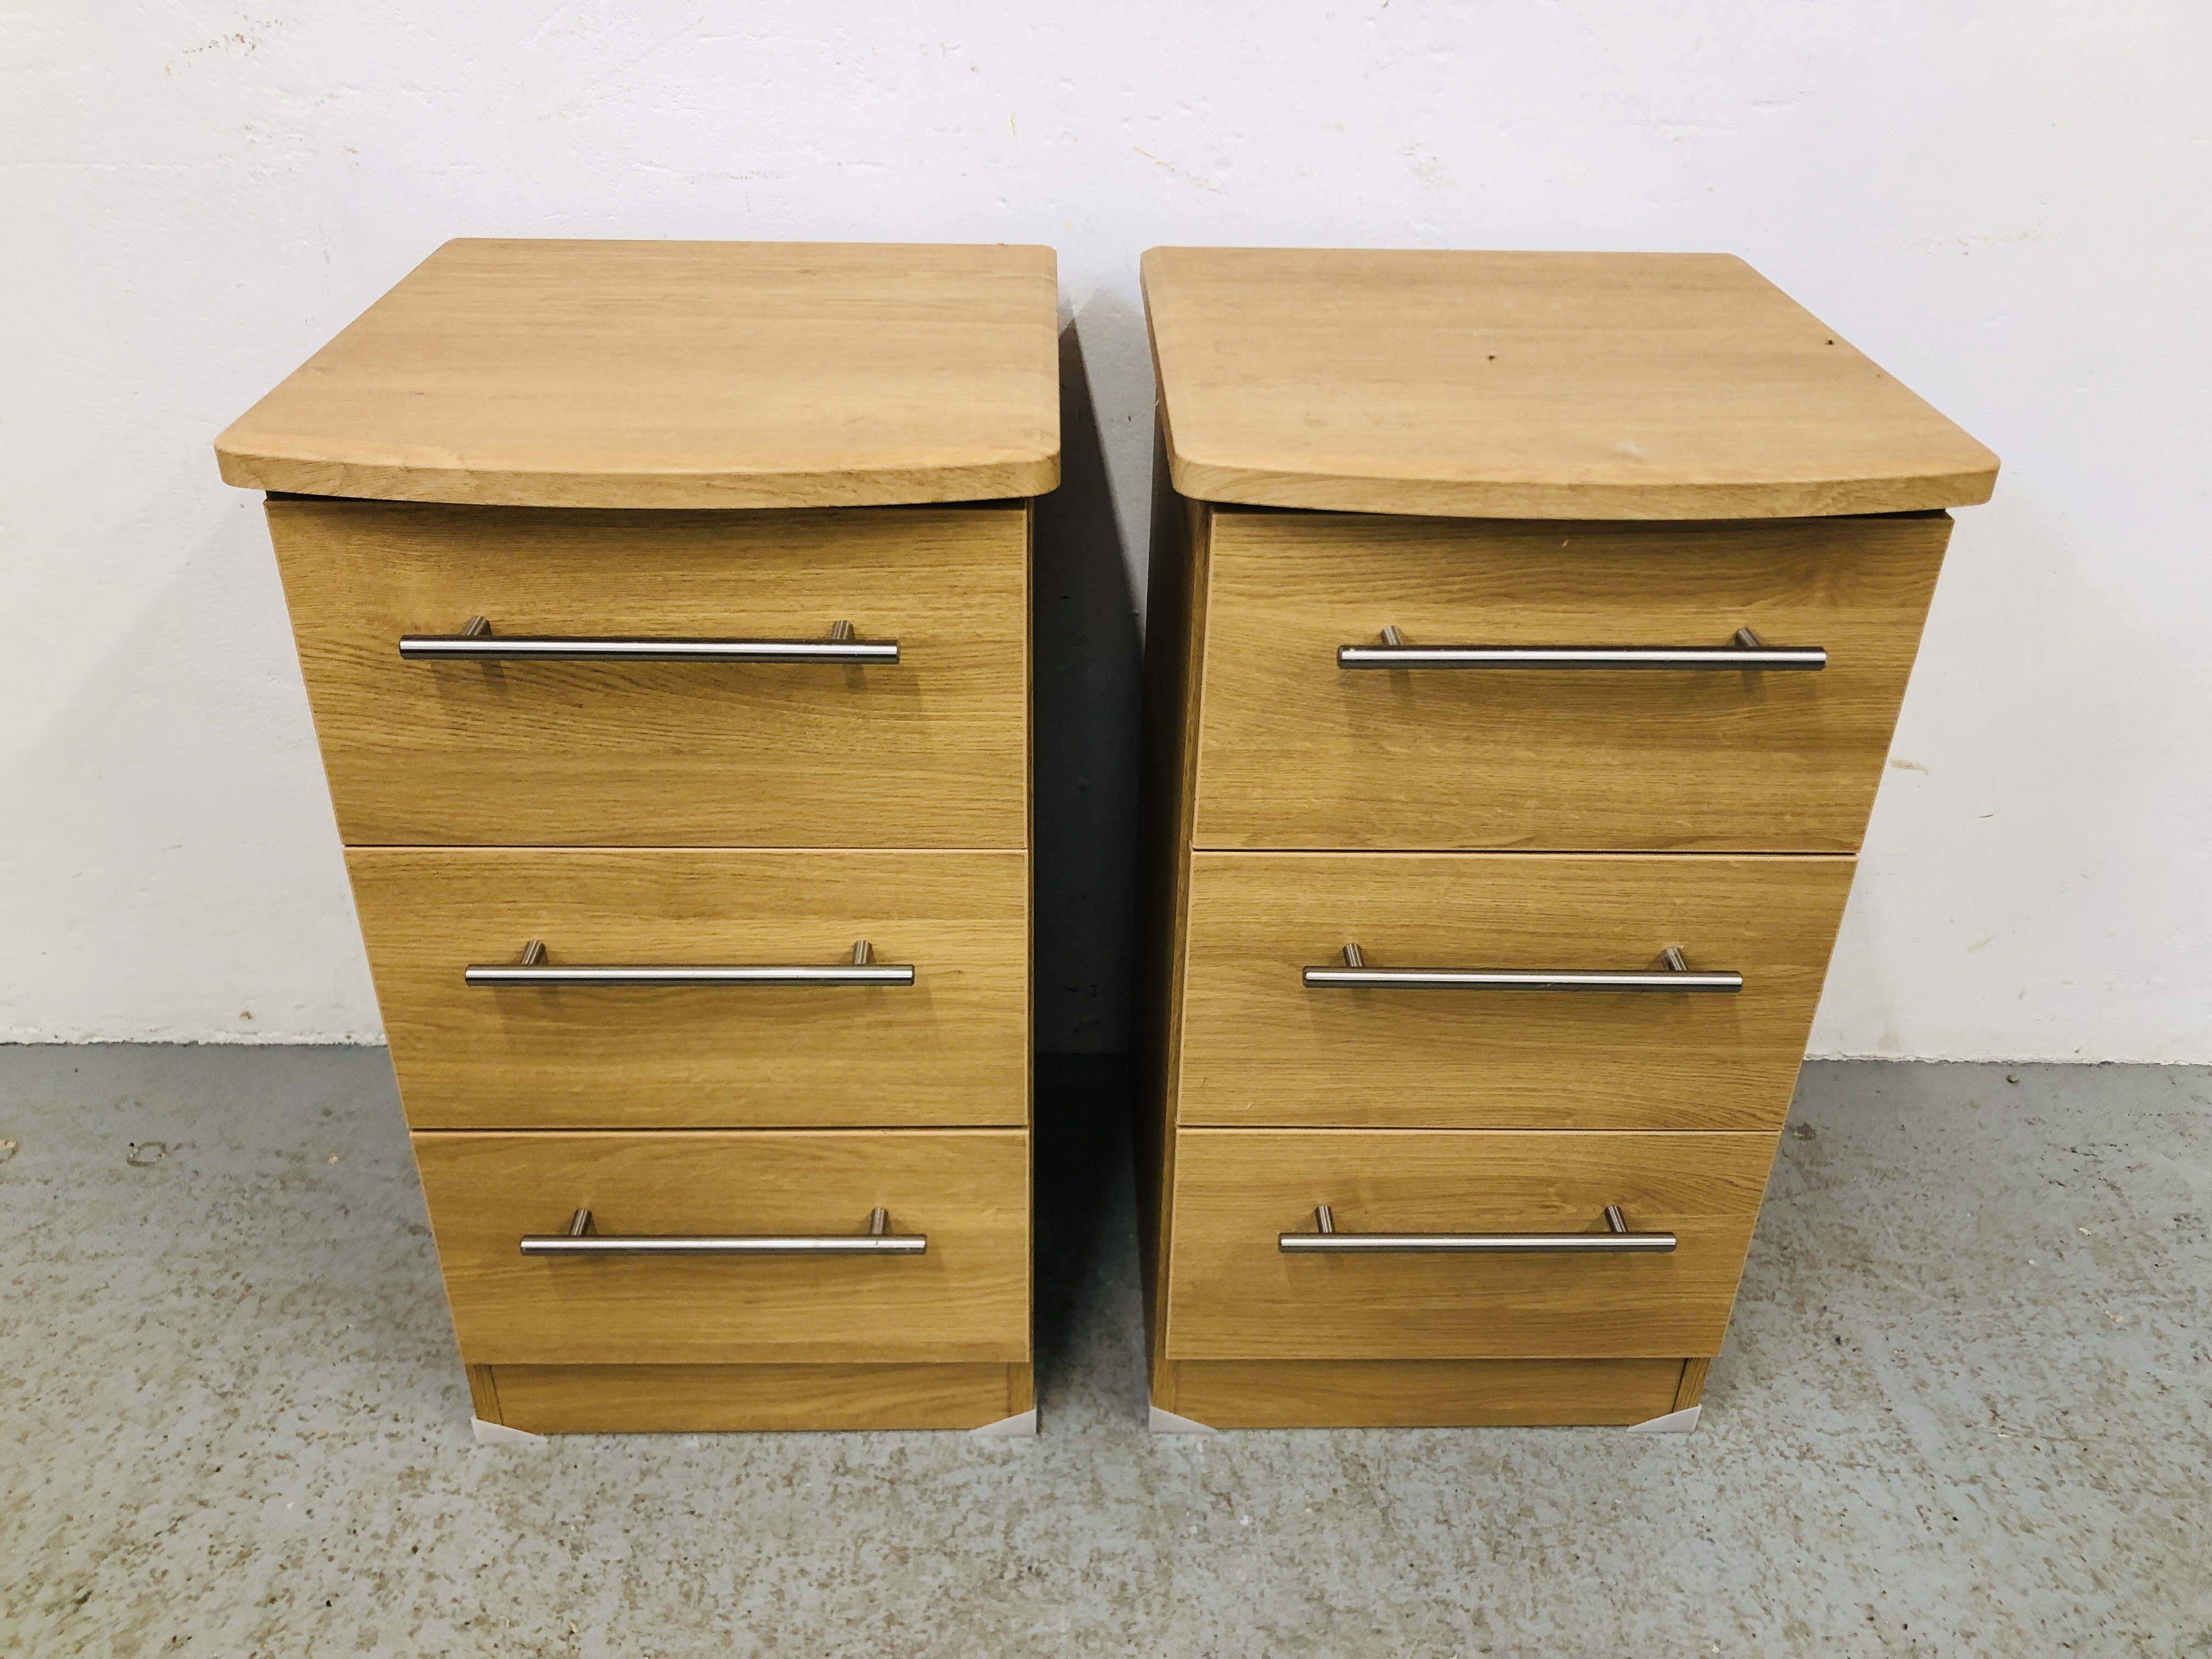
pixel 1086 1209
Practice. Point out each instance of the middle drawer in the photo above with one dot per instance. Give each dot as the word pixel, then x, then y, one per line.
pixel 1618 1042
pixel 950 1049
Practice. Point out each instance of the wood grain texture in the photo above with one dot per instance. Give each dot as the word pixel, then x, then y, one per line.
pixel 1691 1389
pixel 953 1049
pixel 1410 1393
pixel 1232 1294
pixel 1174 627
pixel 966 1300
pixel 1297 752
pixel 483 1392
pixel 678 374
pixel 1543 386
pixel 1261 1048
pixel 930 752
pixel 722 1399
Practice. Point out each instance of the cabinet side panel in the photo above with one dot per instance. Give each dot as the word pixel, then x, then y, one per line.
pixel 1174 623
pixel 1025 1384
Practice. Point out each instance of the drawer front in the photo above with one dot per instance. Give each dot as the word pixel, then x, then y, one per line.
pixel 951 1047
pixel 930 751
pixel 1233 1293
pixel 1296 752
pixel 1262 1047
pixel 966 1298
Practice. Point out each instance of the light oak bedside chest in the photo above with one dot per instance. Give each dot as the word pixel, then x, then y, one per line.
pixel 1526 632
pixel 664 609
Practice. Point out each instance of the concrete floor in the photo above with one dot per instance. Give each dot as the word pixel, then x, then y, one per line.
pixel 1965 1408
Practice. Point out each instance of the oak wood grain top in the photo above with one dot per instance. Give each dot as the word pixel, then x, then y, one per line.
pixel 678 374
pixel 1501 385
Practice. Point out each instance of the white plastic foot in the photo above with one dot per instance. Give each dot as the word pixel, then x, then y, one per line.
pixel 1168 1423
pixel 498 1434
pixel 1020 1426
pixel 1680 1422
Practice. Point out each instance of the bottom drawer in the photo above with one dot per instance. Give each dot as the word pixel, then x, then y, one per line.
pixel 1235 1293
pixel 963 1298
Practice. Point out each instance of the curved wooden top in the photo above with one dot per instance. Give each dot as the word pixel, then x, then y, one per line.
pixel 1536 386
pixel 678 374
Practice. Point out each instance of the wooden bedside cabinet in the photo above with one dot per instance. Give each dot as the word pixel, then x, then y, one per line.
pixel 1526 632
pixel 664 610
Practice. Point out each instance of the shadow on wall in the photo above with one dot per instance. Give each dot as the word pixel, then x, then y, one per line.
pixel 1088 672
pixel 170 869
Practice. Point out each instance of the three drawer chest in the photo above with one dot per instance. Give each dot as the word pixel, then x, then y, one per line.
pixel 1525 636
pixel 664 613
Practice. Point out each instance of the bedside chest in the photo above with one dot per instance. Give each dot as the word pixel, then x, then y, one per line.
pixel 664 610
pixel 1526 633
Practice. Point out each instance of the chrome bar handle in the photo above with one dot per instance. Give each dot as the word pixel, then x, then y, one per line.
pixel 1676 975
pixel 1747 651
pixel 476 642
pixel 580 1240
pixel 533 969
pixel 1615 1240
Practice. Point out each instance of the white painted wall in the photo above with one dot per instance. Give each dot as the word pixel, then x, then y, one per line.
pixel 2007 205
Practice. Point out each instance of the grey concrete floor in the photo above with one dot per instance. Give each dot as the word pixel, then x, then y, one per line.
pixel 1965 1408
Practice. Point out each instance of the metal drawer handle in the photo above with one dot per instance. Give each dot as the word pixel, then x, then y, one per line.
pixel 1615 1240
pixel 1749 651
pixel 533 970
pixel 580 1240
pixel 1677 975
pixel 476 642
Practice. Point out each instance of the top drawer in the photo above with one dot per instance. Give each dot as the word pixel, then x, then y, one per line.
pixel 1297 751
pixel 930 751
